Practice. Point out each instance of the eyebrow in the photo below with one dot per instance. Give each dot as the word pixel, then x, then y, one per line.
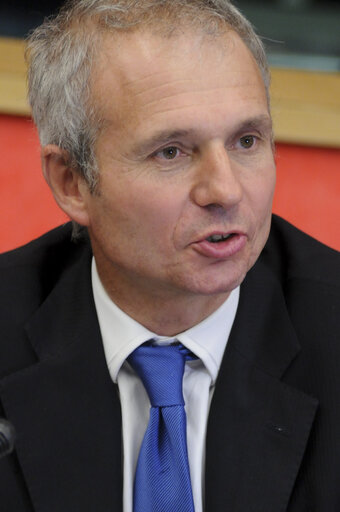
pixel 159 138
pixel 263 123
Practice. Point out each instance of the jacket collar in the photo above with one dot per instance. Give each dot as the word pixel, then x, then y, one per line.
pixel 258 426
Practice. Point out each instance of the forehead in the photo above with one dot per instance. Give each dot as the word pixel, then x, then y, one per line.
pixel 141 77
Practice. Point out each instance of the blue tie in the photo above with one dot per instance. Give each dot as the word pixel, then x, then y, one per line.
pixel 162 480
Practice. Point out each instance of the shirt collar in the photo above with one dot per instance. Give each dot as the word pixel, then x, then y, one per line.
pixel 121 334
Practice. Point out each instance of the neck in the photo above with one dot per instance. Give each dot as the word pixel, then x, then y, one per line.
pixel 158 310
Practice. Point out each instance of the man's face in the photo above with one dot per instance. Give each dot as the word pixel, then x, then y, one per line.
pixel 185 159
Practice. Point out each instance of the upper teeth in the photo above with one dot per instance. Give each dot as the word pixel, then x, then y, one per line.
pixel 217 238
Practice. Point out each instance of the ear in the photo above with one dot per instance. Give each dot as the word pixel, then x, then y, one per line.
pixel 68 187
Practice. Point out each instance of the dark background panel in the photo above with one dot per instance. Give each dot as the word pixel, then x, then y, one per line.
pixel 297 33
pixel 18 17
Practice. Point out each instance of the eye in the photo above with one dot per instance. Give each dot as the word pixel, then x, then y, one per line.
pixel 247 141
pixel 169 153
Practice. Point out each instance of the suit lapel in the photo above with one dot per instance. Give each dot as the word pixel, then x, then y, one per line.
pixel 258 426
pixel 65 407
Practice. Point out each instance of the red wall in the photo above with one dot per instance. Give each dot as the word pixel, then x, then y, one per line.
pixel 307 194
pixel 27 205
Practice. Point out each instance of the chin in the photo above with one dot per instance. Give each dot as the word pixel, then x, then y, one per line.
pixel 224 283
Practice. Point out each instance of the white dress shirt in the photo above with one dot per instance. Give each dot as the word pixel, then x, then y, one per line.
pixel 207 340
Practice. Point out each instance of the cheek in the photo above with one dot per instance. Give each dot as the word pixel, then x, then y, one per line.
pixel 261 198
pixel 144 212
pixel 263 190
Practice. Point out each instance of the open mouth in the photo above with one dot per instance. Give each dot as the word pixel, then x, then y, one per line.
pixel 221 246
pixel 215 239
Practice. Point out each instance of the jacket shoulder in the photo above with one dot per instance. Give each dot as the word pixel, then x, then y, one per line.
pixel 309 275
pixel 296 255
pixel 33 269
pixel 27 276
pixel 34 251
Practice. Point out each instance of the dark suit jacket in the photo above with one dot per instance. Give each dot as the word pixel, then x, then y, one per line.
pixel 273 441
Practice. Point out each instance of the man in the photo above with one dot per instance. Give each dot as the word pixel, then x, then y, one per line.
pixel 156 140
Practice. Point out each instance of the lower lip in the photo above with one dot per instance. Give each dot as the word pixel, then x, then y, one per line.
pixel 221 250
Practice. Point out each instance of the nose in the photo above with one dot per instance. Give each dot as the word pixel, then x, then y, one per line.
pixel 217 180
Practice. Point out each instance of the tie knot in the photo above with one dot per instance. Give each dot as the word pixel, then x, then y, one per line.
pixel 161 370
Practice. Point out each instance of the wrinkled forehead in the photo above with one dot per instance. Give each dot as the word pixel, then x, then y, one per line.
pixel 142 63
pixel 131 53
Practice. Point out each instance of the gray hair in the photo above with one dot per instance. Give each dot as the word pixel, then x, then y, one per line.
pixel 62 52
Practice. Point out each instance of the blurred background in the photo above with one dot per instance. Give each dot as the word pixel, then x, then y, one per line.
pixel 302 38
